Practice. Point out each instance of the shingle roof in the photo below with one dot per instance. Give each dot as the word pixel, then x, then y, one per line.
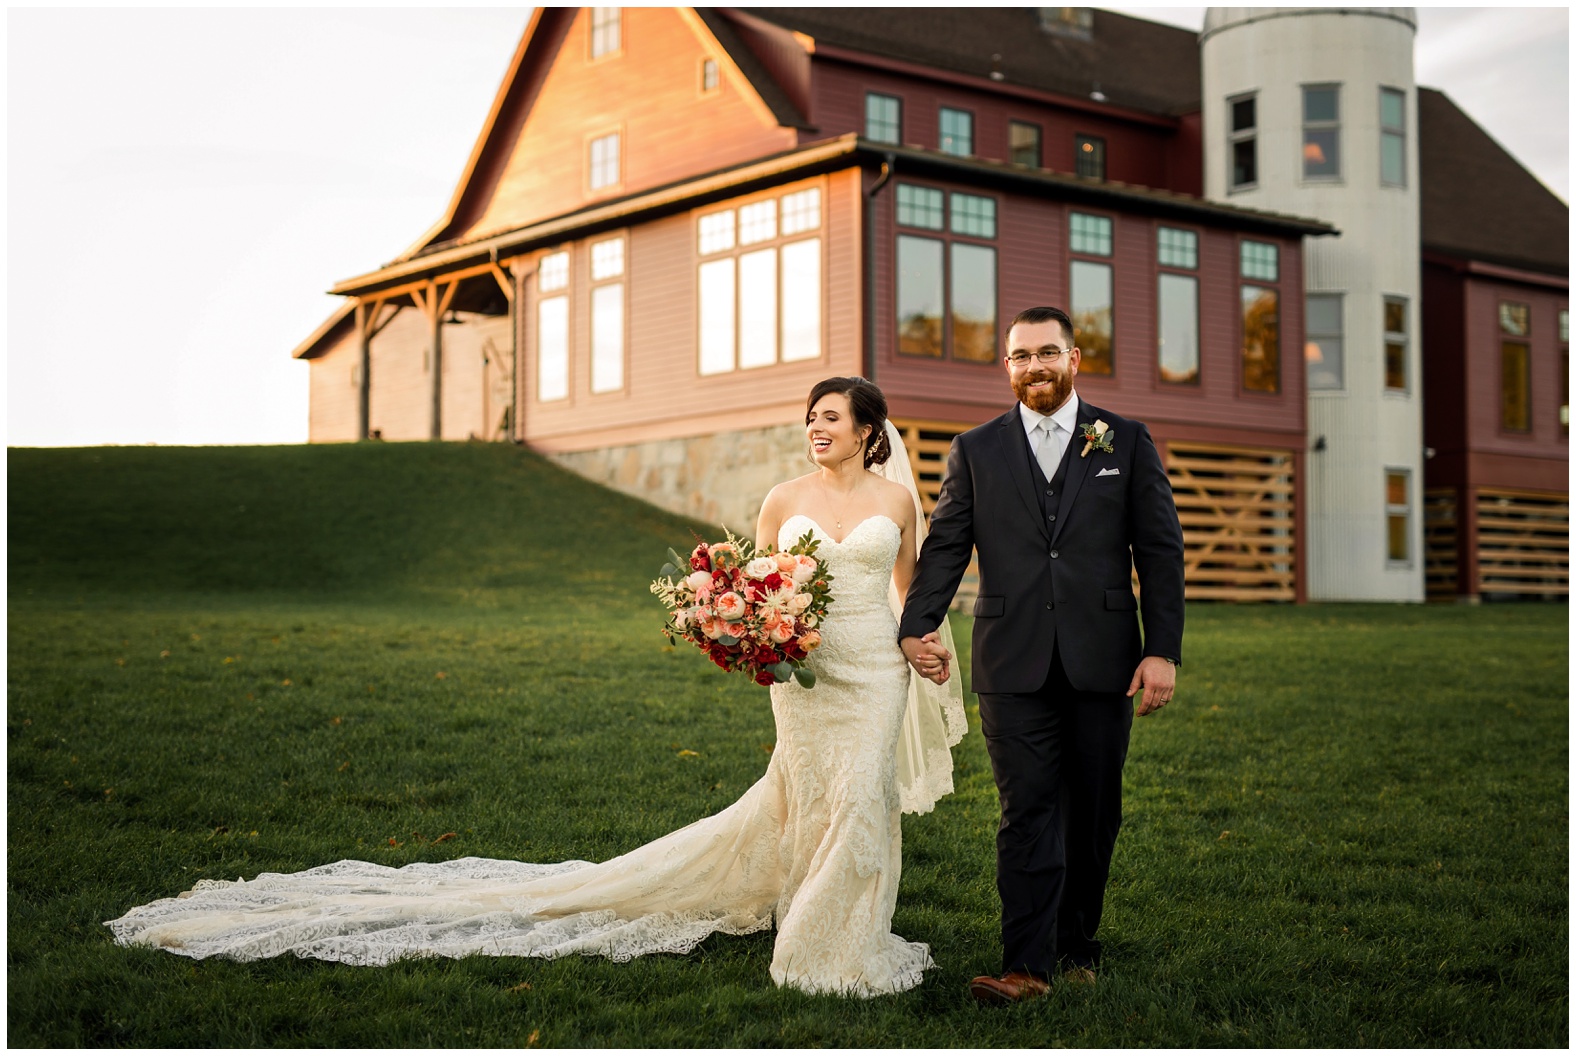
pixel 1132 62
pixel 1477 201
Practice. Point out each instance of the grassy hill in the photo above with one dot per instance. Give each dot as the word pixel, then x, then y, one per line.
pixel 1350 830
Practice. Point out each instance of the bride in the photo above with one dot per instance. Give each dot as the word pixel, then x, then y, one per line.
pixel 814 846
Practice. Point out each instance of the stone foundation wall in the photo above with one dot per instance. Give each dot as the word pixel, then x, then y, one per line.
pixel 722 478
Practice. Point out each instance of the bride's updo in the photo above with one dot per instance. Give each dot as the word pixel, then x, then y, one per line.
pixel 869 407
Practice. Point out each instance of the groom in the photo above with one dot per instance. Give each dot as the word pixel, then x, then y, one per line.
pixel 1062 501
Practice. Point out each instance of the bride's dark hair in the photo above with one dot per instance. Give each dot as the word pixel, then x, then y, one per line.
pixel 869 407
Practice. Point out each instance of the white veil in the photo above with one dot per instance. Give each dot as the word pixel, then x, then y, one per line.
pixel 934 721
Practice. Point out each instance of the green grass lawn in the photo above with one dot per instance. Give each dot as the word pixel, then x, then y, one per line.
pixel 1350 830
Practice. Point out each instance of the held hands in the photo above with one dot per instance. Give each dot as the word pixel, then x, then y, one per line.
pixel 1157 679
pixel 927 657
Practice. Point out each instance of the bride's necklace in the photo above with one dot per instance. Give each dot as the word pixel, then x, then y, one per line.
pixel 838 517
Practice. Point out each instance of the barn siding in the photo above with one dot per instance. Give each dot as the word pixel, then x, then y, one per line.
pixel 650 94
pixel 664 395
pixel 1135 153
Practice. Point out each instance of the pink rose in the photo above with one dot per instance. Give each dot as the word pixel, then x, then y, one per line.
pixel 703 592
pixel 734 630
pixel 804 569
pixel 696 580
pixel 731 607
pixel 712 627
pixel 780 631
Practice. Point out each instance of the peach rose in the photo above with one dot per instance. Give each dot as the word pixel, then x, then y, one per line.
pixel 712 628
pixel 785 563
pixel 730 606
pixel 696 580
pixel 798 603
pixel 810 640
pixel 780 630
pixel 735 630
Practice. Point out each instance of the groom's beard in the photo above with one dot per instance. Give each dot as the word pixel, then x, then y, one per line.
pixel 1044 400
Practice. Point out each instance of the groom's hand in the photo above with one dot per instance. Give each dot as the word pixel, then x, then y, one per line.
pixel 927 657
pixel 1157 679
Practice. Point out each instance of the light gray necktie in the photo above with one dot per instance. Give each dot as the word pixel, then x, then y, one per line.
pixel 1047 447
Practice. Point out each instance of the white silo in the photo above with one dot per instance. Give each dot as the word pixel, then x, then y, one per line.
pixel 1313 111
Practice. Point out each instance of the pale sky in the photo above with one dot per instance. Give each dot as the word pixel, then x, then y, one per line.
pixel 183 184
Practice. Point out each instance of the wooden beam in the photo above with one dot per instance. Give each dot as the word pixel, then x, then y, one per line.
pixel 387 319
pixel 503 282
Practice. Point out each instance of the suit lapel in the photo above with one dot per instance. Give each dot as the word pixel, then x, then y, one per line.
pixel 1077 468
pixel 1016 454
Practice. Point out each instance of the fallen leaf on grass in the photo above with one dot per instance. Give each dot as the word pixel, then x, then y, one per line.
pixel 343 766
pixel 164 654
pixel 450 836
pixel 517 988
pixel 393 842
pixel 1223 835
pixel 686 751
pixel 335 721
pixel 532 1039
pixel 287 682
pixel 443 674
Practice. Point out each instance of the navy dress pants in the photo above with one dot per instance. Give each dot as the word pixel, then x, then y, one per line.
pixel 1057 755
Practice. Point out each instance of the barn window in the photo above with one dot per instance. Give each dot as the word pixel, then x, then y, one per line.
pixel 607 315
pixel 1395 344
pixel 762 306
pixel 1326 347
pixel 605 162
pixel 1090 292
pixel 1177 254
pixel 552 328
pixel 710 76
pixel 1023 144
pixel 946 288
pixel 606 32
pixel 1398 515
pixel 883 118
pixel 1321 132
pixel 1244 141
pixel 1392 137
pixel 1089 156
pixel 957 132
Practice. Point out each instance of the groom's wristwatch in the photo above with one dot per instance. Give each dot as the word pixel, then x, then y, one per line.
pixel 1173 661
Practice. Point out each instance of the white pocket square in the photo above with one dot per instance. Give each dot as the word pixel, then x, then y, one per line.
pixel 1111 472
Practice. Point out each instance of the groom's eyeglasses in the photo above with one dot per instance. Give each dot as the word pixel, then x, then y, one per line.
pixel 1021 359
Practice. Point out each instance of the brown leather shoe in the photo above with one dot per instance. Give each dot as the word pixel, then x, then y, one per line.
pixel 1012 987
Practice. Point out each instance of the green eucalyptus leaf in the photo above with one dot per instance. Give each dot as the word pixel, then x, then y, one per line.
pixel 805 677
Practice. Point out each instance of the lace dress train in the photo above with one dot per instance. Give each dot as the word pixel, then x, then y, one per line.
pixel 815 847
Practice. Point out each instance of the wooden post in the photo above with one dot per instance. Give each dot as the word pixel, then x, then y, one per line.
pixel 433 300
pixel 363 415
pixel 506 283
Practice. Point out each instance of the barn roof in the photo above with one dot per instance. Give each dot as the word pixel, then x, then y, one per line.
pixel 1129 62
pixel 1477 201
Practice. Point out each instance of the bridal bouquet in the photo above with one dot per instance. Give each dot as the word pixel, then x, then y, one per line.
pixel 749 610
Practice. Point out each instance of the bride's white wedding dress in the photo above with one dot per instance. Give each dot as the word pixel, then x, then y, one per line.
pixel 814 846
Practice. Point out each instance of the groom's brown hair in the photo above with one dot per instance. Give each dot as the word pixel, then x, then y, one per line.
pixel 1043 314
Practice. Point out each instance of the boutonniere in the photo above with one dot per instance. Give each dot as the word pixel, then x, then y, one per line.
pixel 1097 437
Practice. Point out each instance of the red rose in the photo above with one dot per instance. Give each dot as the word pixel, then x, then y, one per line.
pixel 764 678
pixel 700 560
pixel 773 581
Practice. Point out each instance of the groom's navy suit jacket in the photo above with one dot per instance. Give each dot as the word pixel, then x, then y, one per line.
pixel 1066 582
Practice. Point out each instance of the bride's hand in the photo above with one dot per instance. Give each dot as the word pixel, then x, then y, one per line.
pixel 928 658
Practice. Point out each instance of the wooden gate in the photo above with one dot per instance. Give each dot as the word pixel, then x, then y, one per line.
pixel 1238 511
pixel 1523 542
pixel 1237 506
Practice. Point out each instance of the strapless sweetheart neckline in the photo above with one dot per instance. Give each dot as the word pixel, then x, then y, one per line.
pixel 828 536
